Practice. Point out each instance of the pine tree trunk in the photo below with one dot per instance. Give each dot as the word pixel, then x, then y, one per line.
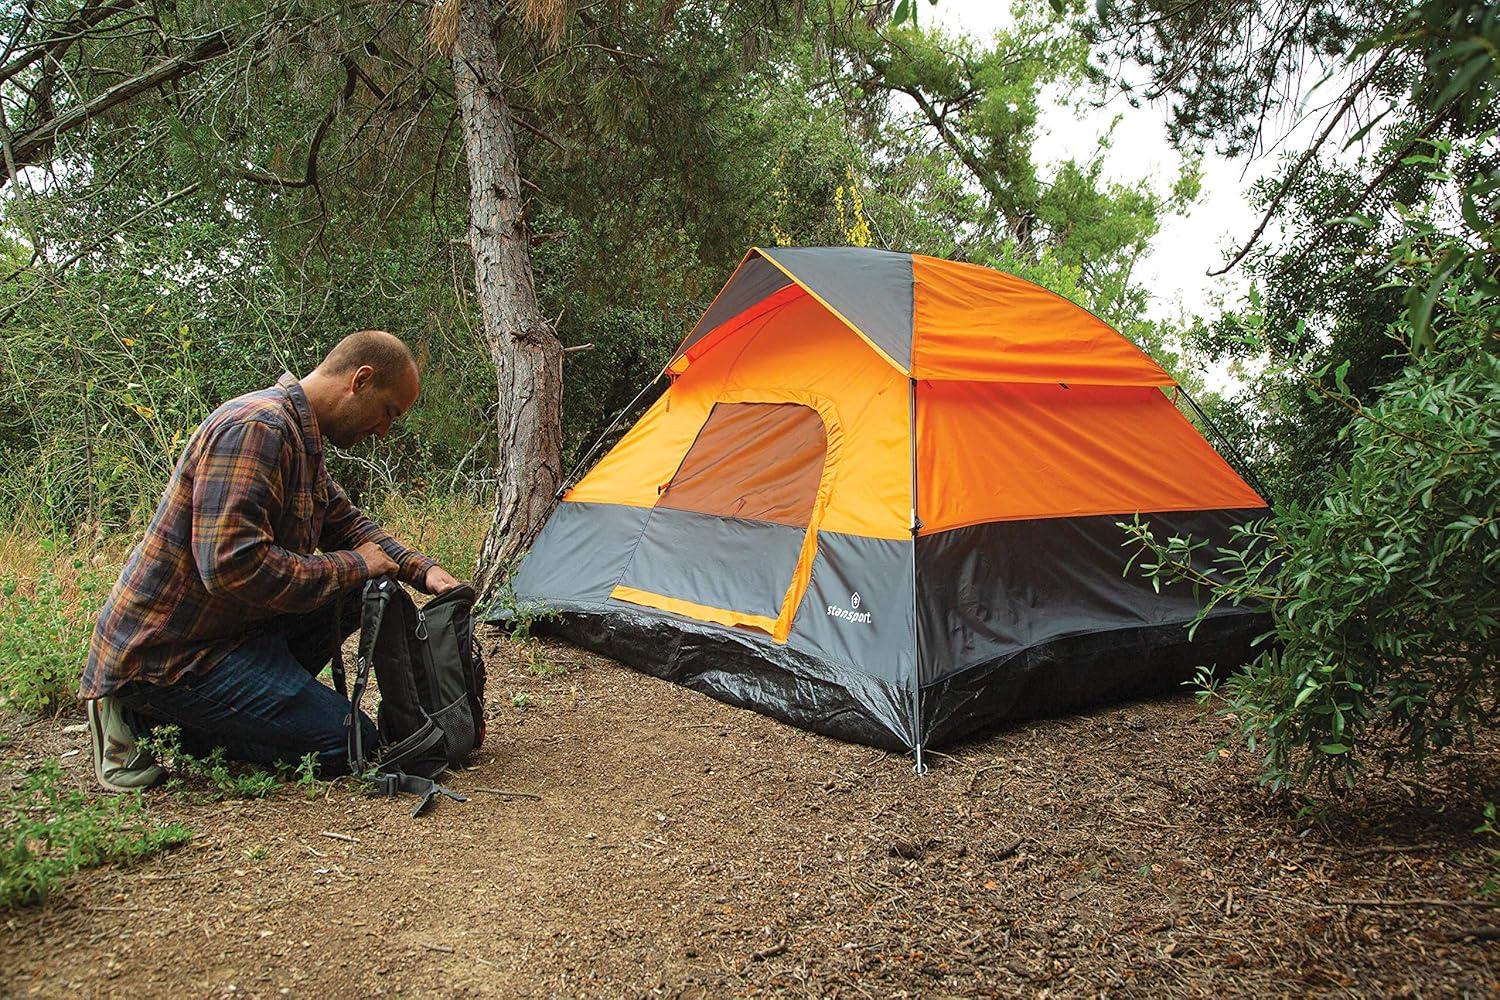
pixel 523 345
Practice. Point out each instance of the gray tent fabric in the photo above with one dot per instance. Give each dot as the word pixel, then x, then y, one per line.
pixel 723 577
pixel 581 553
pixel 754 280
pixel 872 289
pixel 992 590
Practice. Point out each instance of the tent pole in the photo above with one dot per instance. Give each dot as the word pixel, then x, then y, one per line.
pixel 567 481
pixel 1244 468
pixel 920 766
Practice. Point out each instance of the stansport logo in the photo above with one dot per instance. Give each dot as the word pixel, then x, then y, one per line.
pixel 852 612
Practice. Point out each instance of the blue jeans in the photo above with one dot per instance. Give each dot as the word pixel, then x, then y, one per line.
pixel 263 703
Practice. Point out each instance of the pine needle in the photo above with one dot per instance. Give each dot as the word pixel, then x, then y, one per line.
pixel 442 30
pixel 548 18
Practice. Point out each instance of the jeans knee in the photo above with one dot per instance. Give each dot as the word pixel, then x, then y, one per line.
pixel 333 750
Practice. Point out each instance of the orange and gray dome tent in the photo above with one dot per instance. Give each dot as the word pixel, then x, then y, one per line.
pixel 879 500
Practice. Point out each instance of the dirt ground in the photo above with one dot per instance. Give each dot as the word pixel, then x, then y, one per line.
pixel 679 847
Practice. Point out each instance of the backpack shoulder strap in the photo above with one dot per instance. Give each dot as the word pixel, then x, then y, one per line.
pixel 376 596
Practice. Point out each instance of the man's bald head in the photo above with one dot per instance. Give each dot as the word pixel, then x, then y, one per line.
pixel 367 381
pixel 391 359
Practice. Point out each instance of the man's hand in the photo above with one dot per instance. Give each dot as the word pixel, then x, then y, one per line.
pixel 438 580
pixel 375 557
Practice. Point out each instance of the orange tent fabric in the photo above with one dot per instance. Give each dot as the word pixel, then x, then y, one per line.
pixel 972 323
pixel 990 451
pixel 956 321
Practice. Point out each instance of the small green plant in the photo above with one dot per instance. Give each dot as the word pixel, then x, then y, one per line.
pixel 223 779
pixel 257 853
pixel 1490 830
pixel 517 615
pixel 535 661
pixel 520 700
pixel 51 831
pixel 306 776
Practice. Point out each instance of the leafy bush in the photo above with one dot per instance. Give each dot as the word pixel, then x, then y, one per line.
pixel 49 618
pixel 1385 594
pixel 516 616
pixel 51 832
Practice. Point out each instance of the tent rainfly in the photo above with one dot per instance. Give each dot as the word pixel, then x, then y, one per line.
pixel 878 500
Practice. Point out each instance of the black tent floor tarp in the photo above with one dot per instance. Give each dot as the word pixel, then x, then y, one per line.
pixel 1062 676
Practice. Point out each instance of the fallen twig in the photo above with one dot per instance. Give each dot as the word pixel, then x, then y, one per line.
pixel 1159 782
pixel 771 952
pixel 437 947
pixel 1392 849
pixel 338 836
pixel 508 793
pixel 1478 933
pixel 1007 850
pixel 1462 903
pixel 974 778
pixel 175 875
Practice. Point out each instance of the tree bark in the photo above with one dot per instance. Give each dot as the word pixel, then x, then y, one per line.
pixel 523 346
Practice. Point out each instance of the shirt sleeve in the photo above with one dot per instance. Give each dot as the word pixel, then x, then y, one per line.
pixel 346 526
pixel 237 484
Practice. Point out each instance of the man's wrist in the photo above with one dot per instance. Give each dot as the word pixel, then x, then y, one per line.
pixel 416 569
pixel 354 568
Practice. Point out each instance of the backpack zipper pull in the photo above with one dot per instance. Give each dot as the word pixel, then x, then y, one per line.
pixel 421 630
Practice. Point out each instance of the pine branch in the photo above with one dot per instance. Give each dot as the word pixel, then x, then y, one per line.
pixel 31 145
pixel 79 26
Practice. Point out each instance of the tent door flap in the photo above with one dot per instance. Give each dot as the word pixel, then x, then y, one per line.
pixel 728 532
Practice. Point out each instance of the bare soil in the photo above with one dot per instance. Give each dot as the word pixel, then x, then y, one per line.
pixel 676 846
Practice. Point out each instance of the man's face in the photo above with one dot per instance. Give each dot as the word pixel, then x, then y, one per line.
pixel 369 406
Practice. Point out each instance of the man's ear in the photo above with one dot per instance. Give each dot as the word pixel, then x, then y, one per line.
pixel 364 375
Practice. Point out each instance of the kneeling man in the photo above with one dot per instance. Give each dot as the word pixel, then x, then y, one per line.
pixel 229 608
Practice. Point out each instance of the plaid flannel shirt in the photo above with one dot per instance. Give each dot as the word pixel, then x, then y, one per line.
pixel 232 544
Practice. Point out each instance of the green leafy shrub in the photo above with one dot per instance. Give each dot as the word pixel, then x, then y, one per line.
pixel 49 619
pixel 52 831
pixel 1385 593
pixel 516 616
